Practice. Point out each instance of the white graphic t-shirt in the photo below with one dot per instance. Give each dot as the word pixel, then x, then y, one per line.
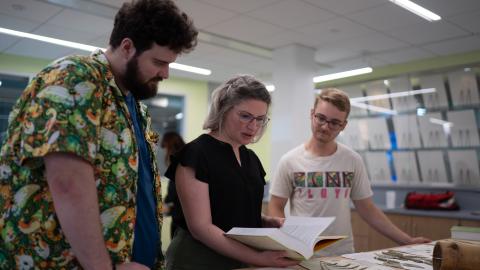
pixel 321 187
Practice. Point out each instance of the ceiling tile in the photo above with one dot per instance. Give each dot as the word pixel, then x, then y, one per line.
pixel 244 28
pixel 112 3
pixel 232 57
pixel 446 8
pixel 36 11
pixel 7 41
pixel 403 55
pixel 204 15
pixel 330 53
pixel 425 32
pixel 469 21
pixel 17 24
pixel 204 49
pixel 383 35
pixel 33 48
pixel 386 16
pixel 366 44
pixel 240 6
pixel 291 13
pixel 81 21
pixel 100 41
pixel 460 45
pixel 59 32
pixel 334 30
pixel 285 38
pixel 346 6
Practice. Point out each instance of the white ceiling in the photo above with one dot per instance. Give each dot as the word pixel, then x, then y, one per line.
pixel 238 36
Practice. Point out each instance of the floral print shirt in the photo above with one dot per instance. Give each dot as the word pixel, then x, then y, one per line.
pixel 72 106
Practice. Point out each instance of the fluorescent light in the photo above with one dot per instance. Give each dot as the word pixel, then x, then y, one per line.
pixel 90 48
pixel 56 41
pixel 394 95
pixel 417 9
pixel 343 74
pixel 201 71
pixel 270 87
pixel 373 108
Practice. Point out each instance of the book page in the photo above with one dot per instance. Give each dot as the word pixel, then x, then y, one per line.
pixel 306 229
pixel 252 231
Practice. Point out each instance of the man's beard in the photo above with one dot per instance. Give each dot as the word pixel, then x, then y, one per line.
pixel 132 81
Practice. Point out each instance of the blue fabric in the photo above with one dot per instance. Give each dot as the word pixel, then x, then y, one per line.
pixel 146 241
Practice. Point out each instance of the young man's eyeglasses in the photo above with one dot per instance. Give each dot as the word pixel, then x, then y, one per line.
pixel 333 124
pixel 247 118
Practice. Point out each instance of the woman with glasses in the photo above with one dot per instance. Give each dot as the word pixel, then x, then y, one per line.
pixel 220 183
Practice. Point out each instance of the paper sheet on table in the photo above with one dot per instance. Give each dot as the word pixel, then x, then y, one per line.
pixel 421 251
pixel 340 264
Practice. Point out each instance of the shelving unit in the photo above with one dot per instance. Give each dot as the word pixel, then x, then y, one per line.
pixel 425 139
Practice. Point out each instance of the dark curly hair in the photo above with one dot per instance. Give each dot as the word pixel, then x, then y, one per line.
pixel 159 21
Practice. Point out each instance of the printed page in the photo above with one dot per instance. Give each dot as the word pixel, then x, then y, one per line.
pixel 306 229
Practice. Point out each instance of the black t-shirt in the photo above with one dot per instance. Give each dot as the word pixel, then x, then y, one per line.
pixel 235 191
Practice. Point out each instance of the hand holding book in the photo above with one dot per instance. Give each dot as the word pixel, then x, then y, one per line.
pixel 299 236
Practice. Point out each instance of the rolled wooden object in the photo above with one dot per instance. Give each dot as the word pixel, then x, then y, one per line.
pixel 456 255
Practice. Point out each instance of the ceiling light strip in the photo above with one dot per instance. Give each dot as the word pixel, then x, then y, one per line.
pixel 417 9
pixel 201 71
pixel 344 74
pixel 56 41
pixel 89 48
pixel 394 95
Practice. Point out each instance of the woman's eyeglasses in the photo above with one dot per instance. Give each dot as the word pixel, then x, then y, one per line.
pixel 248 118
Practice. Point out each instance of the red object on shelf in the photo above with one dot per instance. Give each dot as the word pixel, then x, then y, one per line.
pixel 431 201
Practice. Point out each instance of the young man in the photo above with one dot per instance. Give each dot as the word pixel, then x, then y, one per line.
pixel 79 183
pixel 321 176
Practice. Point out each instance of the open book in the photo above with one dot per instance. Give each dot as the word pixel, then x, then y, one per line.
pixel 299 236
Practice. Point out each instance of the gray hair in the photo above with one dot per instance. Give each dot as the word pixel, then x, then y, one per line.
pixel 231 93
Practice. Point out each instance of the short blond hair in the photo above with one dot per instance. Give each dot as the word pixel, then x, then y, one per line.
pixel 336 97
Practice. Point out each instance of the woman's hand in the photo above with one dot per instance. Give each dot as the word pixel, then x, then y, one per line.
pixel 272 222
pixel 276 259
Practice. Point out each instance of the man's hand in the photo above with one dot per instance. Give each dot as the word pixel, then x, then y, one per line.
pixel 272 222
pixel 419 240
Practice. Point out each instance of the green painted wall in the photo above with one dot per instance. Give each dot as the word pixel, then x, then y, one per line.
pixel 21 65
